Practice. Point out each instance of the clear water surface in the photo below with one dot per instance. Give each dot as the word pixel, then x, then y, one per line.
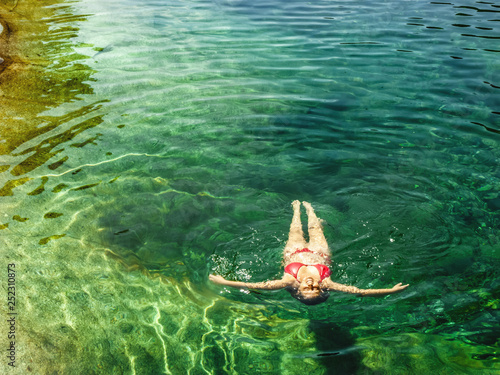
pixel 151 143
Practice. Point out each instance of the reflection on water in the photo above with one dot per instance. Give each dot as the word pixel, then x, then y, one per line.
pixel 144 147
pixel 40 71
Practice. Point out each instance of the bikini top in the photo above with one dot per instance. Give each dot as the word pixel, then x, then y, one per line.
pixel 293 269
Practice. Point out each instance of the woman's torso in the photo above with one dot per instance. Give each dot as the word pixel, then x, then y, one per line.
pixel 307 257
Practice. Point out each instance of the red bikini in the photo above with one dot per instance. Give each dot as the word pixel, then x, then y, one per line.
pixel 293 268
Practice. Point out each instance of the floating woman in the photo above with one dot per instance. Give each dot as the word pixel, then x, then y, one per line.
pixel 307 272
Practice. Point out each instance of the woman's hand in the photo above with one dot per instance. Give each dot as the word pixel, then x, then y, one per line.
pixel 399 287
pixel 217 279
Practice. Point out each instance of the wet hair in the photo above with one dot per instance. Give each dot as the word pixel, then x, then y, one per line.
pixel 322 297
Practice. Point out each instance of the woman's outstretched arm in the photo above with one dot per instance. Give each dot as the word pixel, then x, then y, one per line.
pixel 269 285
pixel 330 285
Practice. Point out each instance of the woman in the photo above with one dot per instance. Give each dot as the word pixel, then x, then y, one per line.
pixel 307 272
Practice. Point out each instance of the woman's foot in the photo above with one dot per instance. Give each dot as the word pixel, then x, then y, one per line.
pixel 308 206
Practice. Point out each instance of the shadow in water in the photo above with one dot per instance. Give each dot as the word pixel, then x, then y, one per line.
pixel 337 352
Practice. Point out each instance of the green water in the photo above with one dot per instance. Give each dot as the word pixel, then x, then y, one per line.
pixel 148 144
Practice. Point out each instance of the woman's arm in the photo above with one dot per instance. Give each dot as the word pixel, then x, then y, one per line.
pixel 269 285
pixel 330 285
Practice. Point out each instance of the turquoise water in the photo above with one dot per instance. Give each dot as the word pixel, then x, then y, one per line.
pixel 172 138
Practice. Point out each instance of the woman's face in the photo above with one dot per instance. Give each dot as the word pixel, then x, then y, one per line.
pixel 309 287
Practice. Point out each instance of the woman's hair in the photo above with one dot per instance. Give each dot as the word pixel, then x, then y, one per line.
pixel 322 297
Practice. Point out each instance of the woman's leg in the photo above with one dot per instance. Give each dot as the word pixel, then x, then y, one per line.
pixel 317 240
pixel 296 236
